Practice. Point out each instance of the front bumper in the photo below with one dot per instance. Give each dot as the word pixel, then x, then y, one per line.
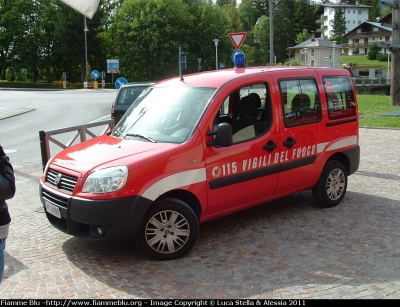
pixel 113 220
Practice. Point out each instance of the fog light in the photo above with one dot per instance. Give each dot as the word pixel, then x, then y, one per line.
pixel 95 231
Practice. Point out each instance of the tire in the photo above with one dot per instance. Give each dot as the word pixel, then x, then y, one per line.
pixel 332 185
pixel 169 230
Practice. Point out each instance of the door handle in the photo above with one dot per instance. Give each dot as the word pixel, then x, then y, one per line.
pixel 270 146
pixel 289 142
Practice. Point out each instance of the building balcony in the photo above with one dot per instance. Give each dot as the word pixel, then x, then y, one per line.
pixel 355 45
pixel 367 44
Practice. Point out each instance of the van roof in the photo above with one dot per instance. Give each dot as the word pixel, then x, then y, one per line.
pixel 216 78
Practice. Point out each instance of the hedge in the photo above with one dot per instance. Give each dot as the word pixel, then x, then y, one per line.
pixel 44 85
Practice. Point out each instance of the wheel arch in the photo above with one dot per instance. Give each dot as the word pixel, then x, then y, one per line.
pixel 189 198
pixel 342 158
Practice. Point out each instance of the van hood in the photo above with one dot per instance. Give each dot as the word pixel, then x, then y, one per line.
pixel 104 149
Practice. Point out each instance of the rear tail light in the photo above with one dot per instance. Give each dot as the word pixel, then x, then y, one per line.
pixel 112 111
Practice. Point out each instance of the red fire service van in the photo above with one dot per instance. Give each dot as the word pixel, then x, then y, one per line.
pixel 201 146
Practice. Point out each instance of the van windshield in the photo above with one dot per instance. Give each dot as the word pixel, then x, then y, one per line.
pixel 164 114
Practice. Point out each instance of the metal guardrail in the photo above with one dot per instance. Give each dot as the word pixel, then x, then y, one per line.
pixel 371 82
pixel 82 131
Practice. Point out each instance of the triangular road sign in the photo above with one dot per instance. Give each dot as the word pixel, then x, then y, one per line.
pixel 237 38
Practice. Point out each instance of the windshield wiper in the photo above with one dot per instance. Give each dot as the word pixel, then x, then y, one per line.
pixel 140 136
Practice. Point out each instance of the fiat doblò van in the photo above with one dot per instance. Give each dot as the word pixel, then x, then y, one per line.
pixel 203 146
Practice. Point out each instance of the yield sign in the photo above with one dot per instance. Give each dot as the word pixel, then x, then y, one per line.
pixel 237 38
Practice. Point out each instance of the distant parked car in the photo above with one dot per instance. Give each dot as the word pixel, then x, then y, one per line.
pixel 127 94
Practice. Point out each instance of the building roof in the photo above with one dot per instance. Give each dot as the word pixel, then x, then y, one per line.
pixel 375 24
pixel 387 18
pixel 321 6
pixel 316 43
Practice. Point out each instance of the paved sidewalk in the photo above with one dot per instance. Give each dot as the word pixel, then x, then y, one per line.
pixel 288 248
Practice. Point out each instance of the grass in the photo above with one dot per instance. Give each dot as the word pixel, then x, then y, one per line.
pixel 371 108
pixel 362 60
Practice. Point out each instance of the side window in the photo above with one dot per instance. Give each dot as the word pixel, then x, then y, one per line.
pixel 339 97
pixel 247 110
pixel 300 102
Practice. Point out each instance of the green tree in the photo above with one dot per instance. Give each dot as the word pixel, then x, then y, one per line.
pixel 34 48
pixel 339 25
pixel 69 53
pixel 148 34
pixel 375 10
pixel 210 22
pixel 302 37
pixel 373 52
pixel 11 31
pixel 284 28
pixel 224 2
pixel 261 39
pixel 249 14
pixel 301 15
pixel 235 23
pixel 291 18
pixel 386 11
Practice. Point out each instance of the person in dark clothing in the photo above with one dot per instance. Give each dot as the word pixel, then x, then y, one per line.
pixel 7 191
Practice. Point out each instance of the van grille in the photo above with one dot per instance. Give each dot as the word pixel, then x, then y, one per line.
pixel 61 181
pixel 55 199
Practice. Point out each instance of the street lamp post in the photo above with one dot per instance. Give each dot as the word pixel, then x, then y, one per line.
pixel 216 53
pixel 13 69
pixel 86 30
pixel 271 35
pixel 305 56
pixel 333 56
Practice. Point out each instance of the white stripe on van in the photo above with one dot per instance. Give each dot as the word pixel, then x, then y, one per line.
pixel 348 141
pixel 174 182
pixel 321 147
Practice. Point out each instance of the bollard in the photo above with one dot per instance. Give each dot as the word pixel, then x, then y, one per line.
pixel 96 84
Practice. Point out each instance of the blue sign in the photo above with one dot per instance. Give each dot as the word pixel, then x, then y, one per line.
pixel 222 65
pixel 112 63
pixel 112 66
pixel 120 81
pixel 95 74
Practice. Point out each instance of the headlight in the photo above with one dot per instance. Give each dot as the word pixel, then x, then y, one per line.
pixel 106 180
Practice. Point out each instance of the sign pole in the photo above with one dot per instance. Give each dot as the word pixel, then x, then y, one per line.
pixel 180 64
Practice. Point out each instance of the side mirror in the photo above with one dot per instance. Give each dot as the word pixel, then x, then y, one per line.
pixel 223 136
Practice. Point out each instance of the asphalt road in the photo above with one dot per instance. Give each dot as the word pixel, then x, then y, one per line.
pixel 24 113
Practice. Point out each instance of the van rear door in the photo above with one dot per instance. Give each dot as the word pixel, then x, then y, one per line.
pixel 301 133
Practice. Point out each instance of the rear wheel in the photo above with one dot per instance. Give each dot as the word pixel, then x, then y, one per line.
pixel 331 186
pixel 169 230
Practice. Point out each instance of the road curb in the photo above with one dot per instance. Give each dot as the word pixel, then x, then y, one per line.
pixel 11 113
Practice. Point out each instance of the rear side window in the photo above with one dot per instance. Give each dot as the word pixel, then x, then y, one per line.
pixel 339 97
pixel 128 95
pixel 300 101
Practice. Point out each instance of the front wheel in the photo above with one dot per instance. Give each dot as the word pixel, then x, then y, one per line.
pixel 331 186
pixel 169 230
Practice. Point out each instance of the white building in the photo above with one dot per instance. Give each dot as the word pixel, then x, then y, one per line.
pixel 368 34
pixel 355 14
